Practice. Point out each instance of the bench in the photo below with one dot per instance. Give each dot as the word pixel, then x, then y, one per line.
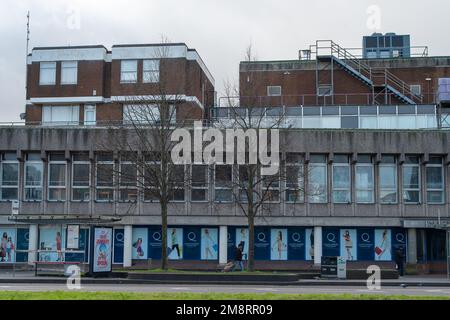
pixel 58 263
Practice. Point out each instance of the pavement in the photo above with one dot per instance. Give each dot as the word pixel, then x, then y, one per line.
pixel 28 277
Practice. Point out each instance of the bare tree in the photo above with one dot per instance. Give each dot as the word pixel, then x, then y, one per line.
pixel 143 139
pixel 253 192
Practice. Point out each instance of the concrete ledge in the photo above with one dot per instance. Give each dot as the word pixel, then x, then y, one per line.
pixel 215 277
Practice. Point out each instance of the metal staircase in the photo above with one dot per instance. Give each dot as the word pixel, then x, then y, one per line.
pixel 382 82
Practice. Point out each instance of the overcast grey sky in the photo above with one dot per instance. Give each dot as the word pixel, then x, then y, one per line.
pixel 220 30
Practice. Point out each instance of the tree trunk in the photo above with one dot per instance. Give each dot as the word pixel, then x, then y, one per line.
pixel 164 262
pixel 251 241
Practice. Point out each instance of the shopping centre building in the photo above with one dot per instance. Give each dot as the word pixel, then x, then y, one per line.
pixel 370 131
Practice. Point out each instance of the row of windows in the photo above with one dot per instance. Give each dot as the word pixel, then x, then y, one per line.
pixel 69 73
pixel 363 173
pixel 128 72
pixel 326 90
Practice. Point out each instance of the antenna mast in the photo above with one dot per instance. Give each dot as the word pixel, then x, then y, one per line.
pixel 28 31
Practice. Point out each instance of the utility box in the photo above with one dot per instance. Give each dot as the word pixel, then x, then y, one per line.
pixel 329 267
pixel 342 268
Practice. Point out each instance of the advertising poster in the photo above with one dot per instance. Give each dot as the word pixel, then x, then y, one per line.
pixel 210 244
pixel 8 245
pixel 349 244
pixel 102 250
pixel 73 237
pixel 155 242
pixel 296 244
pixel 191 247
pixel 175 243
pixel 242 239
pixel 51 239
pixel 399 241
pixel 366 244
pixel 118 246
pixel 83 246
pixel 278 247
pixel 262 243
pixel 383 242
pixel 23 238
pixel 139 242
pixel 231 243
pixel 331 242
pixel 309 244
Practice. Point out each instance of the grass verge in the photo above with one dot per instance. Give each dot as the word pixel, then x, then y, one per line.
pixel 62 295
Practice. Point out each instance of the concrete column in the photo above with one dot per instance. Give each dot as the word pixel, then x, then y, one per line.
pixel 127 246
pixel 33 235
pixel 317 245
pixel 223 245
pixel 412 246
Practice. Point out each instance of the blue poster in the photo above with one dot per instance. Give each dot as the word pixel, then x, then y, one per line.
pixel 175 243
pixel 399 240
pixel 348 240
pixel 383 243
pixel 366 244
pixel 139 243
pixel 191 245
pixel 210 244
pixel 22 244
pixel 231 243
pixel 118 246
pixel 154 242
pixel 262 243
pixel 51 244
pixel 309 244
pixel 331 242
pixel 279 244
pixel 242 238
pixel 83 246
pixel 8 245
pixel 296 243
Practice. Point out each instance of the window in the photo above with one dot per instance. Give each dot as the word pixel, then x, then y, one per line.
pixel 200 179
pixel 295 191
pixel 47 74
pixel 364 180
pixel 60 115
pixel 34 169
pixel 148 113
pixel 81 177
pixel 223 183
pixel 152 171
pixel 317 189
pixel 177 182
pixel 9 177
pixel 274 91
pixel 128 71
pixel 104 181
pixel 388 180
pixel 435 180
pixel 411 180
pixel 57 177
pixel 128 178
pixel 341 179
pixel 324 90
pixel 150 71
pixel 416 89
pixel 69 72
pixel 90 117
pixel 271 187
